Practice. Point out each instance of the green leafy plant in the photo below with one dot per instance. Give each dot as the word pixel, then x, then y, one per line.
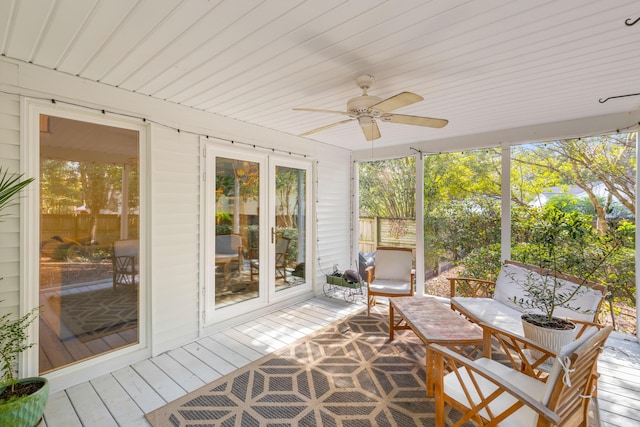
pixel 13 335
pixel 13 341
pixel 563 243
pixel 10 186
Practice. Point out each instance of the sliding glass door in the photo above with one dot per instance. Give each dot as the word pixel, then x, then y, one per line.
pixel 89 233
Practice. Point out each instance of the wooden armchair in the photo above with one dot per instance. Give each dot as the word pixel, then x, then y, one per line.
pixel 229 249
pixel 125 263
pixel 491 393
pixel 392 275
pixel 282 257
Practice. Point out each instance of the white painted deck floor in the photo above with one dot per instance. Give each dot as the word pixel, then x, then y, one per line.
pixel 124 396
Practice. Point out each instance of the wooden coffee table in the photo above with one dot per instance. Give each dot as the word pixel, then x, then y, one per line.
pixel 434 322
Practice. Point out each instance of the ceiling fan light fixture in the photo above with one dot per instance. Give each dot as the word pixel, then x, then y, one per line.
pixel 365 120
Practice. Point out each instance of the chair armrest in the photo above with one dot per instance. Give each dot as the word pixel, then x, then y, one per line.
pixel 371 273
pixel 468 287
pixel 524 354
pixel 583 325
pixel 445 358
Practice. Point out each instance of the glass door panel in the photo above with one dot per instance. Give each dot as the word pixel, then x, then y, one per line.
pixel 237 231
pixel 290 225
pixel 89 231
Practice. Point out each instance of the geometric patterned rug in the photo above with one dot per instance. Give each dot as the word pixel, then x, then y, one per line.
pixel 91 315
pixel 348 374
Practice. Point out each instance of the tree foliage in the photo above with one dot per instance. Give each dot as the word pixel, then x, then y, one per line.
pixel 387 188
pixel 462 193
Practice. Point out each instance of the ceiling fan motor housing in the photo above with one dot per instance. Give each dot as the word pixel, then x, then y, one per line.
pixel 361 104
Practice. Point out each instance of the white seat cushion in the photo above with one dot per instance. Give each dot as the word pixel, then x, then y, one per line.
pixel 492 312
pixel 509 284
pixel 523 417
pixel 390 287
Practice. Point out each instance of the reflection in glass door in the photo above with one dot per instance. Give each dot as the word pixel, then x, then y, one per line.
pixel 256 246
pixel 237 231
pixel 290 225
pixel 89 247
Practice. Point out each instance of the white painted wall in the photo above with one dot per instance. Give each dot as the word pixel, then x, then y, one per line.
pixel 174 186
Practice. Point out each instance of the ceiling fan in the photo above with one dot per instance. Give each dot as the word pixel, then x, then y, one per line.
pixel 368 110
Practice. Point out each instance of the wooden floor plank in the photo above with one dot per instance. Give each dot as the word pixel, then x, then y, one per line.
pixel 264 332
pixel 162 383
pixel 60 412
pixel 283 329
pixel 239 333
pixel 178 373
pixel 120 405
pixel 203 371
pixel 225 353
pixel 90 408
pixel 247 353
pixel 138 389
pixel 210 358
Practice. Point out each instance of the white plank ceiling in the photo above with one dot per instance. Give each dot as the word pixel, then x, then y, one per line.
pixel 485 65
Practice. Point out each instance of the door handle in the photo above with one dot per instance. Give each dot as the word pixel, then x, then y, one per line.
pixel 273 235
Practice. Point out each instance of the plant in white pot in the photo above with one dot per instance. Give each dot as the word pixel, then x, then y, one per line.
pixel 22 401
pixel 569 257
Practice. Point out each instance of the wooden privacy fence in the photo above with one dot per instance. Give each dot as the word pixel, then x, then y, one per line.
pixel 378 231
pixel 78 227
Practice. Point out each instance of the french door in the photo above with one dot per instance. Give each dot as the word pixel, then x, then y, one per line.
pixel 257 230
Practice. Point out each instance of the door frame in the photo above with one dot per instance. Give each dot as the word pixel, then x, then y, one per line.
pixel 211 148
pixel 30 238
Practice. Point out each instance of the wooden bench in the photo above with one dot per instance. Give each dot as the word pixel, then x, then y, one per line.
pixel 492 303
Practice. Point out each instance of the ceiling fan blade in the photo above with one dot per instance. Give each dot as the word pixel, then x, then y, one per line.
pixel 313 110
pixel 320 129
pixel 397 101
pixel 370 130
pixel 415 120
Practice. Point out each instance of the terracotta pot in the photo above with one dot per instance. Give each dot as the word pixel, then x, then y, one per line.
pixel 25 411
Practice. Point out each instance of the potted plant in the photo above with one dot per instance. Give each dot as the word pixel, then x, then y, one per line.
pixel 568 255
pixel 22 401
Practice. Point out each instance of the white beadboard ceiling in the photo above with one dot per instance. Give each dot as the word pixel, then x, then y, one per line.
pixel 485 65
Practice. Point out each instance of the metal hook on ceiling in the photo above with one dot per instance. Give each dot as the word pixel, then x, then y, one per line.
pixel 602 101
pixel 630 23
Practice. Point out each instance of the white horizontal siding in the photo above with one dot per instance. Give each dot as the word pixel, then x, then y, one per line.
pixel 9 225
pixel 333 212
pixel 175 211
